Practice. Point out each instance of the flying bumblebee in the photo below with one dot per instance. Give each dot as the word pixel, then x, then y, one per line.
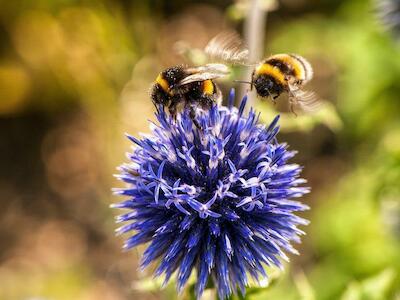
pixel 285 73
pixel 277 74
pixel 194 87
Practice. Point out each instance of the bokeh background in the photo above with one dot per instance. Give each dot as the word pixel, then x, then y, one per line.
pixel 75 75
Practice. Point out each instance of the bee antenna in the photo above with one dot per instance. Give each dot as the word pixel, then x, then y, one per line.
pixel 269 93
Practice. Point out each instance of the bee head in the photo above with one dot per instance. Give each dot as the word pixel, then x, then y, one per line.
pixel 173 75
pixel 264 86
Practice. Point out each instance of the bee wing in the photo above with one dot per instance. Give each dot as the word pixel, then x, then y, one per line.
pixel 209 68
pixel 209 71
pixel 307 101
pixel 227 46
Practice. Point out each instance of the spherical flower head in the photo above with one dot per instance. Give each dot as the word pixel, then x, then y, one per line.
pixel 218 201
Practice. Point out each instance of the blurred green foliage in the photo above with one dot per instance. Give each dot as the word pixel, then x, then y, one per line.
pixel 78 73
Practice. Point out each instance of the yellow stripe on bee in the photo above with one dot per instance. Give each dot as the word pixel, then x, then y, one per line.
pixel 208 87
pixel 297 66
pixel 308 70
pixel 266 69
pixel 163 83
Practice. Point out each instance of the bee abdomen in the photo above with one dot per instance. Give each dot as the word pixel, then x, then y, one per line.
pixel 284 67
pixel 306 66
pixel 292 65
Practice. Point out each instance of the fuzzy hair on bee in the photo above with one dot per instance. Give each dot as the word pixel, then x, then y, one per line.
pixel 190 87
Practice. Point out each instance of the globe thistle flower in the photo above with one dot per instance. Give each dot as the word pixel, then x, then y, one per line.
pixel 217 201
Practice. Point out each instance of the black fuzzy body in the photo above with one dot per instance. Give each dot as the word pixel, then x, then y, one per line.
pixel 172 95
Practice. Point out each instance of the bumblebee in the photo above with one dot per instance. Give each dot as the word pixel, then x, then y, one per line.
pixel 194 87
pixel 191 88
pixel 277 74
pixel 285 73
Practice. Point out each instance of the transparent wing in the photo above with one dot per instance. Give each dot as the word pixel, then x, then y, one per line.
pixel 307 101
pixel 209 71
pixel 227 46
pixel 210 68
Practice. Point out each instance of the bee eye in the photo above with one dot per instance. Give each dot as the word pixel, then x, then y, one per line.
pixel 269 84
pixel 264 86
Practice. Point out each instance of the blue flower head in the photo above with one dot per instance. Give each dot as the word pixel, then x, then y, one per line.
pixel 217 201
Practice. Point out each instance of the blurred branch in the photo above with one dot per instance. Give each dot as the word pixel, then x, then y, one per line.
pixel 254 35
pixel 304 287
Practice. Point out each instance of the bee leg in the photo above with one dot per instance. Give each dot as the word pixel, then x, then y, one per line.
pixel 251 82
pixel 273 98
pixel 172 108
pixel 292 108
pixel 292 100
pixel 192 115
pixel 172 111
pixel 207 103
